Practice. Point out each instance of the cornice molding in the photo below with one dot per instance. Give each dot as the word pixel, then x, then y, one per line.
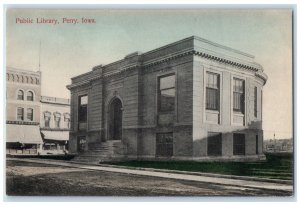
pixel 262 76
pixel 190 51
pixel 79 84
pixel 235 63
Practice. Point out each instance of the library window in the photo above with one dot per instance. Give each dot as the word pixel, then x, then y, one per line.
pixel 238 144
pixel 255 102
pixel 166 93
pixel 238 95
pixel 212 91
pixel 82 112
pixel 214 144
pixel 256 145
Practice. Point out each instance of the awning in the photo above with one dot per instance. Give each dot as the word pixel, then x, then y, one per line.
pixel 56 135
pixel 27 134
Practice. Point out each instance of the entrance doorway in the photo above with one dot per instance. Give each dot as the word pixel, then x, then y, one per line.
pixel 115 119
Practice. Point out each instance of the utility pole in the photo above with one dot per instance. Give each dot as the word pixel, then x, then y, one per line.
pixel 40 57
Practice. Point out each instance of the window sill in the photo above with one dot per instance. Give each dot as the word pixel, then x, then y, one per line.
pixel 212 111
pixel 238 114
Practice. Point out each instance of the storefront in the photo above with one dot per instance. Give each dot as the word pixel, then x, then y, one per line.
pixel 23 139
pixel 55 142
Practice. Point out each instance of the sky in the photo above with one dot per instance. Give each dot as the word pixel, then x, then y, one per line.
pixel 68 50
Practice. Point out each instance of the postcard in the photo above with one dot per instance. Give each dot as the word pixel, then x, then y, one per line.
pixel 149 102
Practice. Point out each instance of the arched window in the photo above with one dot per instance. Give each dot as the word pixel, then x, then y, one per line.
pixel 20 113
pixel 29 96
pixel 57 116
pixel 47 118
pixel 20 95
pixel 30 114
pixel 67 119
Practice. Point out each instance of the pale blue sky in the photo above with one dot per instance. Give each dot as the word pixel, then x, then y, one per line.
pixel 70 50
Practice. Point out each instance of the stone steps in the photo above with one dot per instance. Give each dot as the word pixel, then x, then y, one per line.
pixel 102 152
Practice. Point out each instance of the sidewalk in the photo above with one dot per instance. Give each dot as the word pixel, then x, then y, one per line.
pixel 215 179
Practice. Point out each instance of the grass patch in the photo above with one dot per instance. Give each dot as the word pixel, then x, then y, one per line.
pixel 277 166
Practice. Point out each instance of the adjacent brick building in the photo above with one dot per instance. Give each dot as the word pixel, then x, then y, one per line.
pixel 23 93
pixel 192 99
pixel 34 123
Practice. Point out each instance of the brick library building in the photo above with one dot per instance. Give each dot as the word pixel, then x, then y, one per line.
pixel 189 100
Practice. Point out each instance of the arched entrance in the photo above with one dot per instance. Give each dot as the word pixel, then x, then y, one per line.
pixel 115 119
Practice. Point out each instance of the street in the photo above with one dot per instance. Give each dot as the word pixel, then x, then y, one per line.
pixel 34 179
